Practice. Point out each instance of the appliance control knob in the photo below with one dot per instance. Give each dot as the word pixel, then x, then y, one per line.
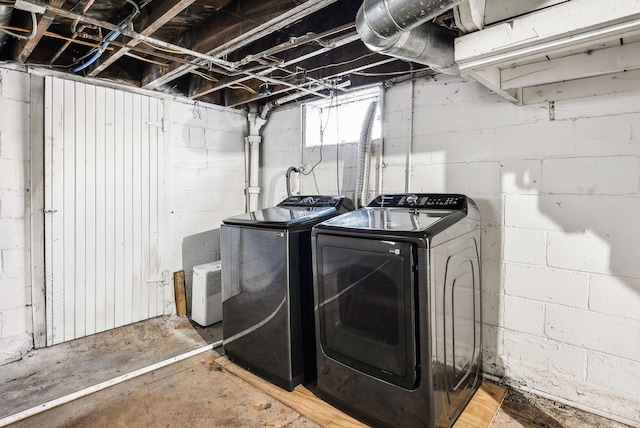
pixel 412 200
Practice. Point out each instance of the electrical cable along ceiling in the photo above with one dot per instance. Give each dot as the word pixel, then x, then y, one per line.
pixel 228 52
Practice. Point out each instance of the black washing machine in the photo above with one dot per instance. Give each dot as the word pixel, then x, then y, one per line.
pixel 398 315
pixel 267 287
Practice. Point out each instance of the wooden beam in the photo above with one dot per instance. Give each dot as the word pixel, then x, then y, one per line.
pixel 490 77
pixel 479 412
pixel 225 33
pixel 26 47
pixel 301 399
pixel 157 15
pixel 180 294
pixel 483 407
pixel 588 64
pixel 469 15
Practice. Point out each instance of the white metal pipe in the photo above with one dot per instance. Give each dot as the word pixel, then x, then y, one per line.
pixel 252 151
pixel 254 171
pixel 103 385
pixel 408 181
pixel 246 173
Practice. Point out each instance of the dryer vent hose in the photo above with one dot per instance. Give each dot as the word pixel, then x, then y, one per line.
pixel 364 154
pixel 288 177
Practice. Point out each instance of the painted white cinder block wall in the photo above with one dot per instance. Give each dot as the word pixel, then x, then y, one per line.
pixel 15 272
pixel 558 187
pixel 280 149
pixel 207 180
pixel 559 192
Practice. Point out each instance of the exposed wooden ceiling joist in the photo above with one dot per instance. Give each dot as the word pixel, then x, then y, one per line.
pixel 220 51
pixel 153 18
pixel 226 33
pixel 25 47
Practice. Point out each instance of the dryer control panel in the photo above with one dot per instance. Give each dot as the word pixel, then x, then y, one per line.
pixel 432 201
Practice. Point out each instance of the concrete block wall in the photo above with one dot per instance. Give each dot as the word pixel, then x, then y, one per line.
pixel 207 180
pixel 280 149
pixel 15 148
pixel 558 188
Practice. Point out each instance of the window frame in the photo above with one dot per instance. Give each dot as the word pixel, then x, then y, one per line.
pixel 370 94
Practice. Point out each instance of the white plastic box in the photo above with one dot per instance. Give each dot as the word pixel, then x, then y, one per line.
pixel 206 294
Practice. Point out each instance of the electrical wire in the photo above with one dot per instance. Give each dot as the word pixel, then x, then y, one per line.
pixel 72 8
pixel 96 53
pixel 138 57
pixel 171 51
pixel 55 36
pixel 76 41
pixel 135 7
pixel 340 63
pixel 390 73
pixel 243 86
pixel 321 139
pixel 254 21
pixel 34 27
pixel 204 76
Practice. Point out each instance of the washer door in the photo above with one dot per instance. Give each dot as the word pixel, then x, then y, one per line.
pixel 365 306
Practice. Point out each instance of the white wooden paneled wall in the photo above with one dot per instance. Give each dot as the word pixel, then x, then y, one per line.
pixel 104 218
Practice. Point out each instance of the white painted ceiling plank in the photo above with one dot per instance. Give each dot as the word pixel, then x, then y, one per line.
pixel 581 88
pixel 500 10
pixel 560 21
pixel 588 64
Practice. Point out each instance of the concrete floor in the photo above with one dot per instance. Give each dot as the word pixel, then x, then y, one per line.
pixel 195 392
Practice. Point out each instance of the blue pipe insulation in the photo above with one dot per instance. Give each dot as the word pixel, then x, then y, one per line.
pixel 97 54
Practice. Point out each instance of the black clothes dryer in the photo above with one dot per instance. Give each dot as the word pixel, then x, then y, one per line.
pixel 267 288
pixel 398 315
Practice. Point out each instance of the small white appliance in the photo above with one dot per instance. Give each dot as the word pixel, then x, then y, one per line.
pixel 206 294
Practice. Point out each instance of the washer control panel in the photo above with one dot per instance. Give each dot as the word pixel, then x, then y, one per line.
pixel 434 201
pixel 312 201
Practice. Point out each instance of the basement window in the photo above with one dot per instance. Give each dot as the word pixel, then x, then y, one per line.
pixel 340 119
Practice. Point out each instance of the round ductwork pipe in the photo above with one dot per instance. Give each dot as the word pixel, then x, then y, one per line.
pixel 402 29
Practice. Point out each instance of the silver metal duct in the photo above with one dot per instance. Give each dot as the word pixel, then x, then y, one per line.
pixel 5 19
pixel 364 154
pixel 401 28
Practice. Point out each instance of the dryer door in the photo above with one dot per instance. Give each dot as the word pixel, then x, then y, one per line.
pixel 365 306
